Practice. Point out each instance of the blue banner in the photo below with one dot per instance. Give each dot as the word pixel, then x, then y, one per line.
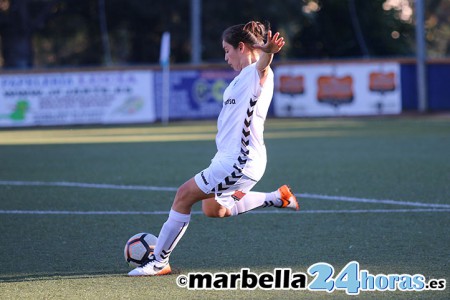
pixel 194 94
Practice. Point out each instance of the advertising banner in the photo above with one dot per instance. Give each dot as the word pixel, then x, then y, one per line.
pixel 105 97
pixel 194 94
pixel 337 89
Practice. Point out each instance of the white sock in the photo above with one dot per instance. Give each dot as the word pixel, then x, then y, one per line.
pixel 273 199
pixel 171 232
pixel 254 200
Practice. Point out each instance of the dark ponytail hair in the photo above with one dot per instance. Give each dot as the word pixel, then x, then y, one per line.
pixel 251 33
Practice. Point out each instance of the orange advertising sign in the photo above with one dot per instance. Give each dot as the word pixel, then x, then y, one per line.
pixel 335 90
pixel 293 85
pixel 382 82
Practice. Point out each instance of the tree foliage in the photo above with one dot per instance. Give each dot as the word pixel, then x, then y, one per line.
pixel 50 33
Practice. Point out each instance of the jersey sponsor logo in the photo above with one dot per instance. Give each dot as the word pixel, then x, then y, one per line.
pixel 230 101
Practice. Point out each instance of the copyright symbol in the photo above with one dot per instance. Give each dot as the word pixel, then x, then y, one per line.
pixel 182 281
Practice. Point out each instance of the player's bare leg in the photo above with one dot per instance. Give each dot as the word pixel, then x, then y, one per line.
pixel 212 208
pixel 172 230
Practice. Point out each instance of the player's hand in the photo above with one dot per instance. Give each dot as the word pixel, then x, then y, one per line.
pixel 274 43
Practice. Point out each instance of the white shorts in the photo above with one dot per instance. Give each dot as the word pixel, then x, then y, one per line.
pixel 226 181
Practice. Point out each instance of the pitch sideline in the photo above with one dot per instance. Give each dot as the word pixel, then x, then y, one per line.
pixel 258 212
pixel 173 189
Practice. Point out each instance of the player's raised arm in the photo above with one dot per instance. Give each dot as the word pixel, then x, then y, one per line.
pixel 273 45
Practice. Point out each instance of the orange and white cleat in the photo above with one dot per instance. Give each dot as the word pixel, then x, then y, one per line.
pixel 287 198
pixel 151 268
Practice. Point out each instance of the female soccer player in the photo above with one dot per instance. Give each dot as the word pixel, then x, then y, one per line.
pixel 225 186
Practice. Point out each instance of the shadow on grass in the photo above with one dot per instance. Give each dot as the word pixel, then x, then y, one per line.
pixel 68 275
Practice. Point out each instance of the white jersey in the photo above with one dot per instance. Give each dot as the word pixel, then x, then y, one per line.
pixel 241 122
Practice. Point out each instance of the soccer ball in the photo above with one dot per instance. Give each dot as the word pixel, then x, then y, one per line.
pixel 138 248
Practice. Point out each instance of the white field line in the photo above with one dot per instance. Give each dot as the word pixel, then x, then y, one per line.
pixel 89 185
pixel 172 189
pixel 258 212
pixel 376 201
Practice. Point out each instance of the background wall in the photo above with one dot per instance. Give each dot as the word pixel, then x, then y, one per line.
pixel 134 95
